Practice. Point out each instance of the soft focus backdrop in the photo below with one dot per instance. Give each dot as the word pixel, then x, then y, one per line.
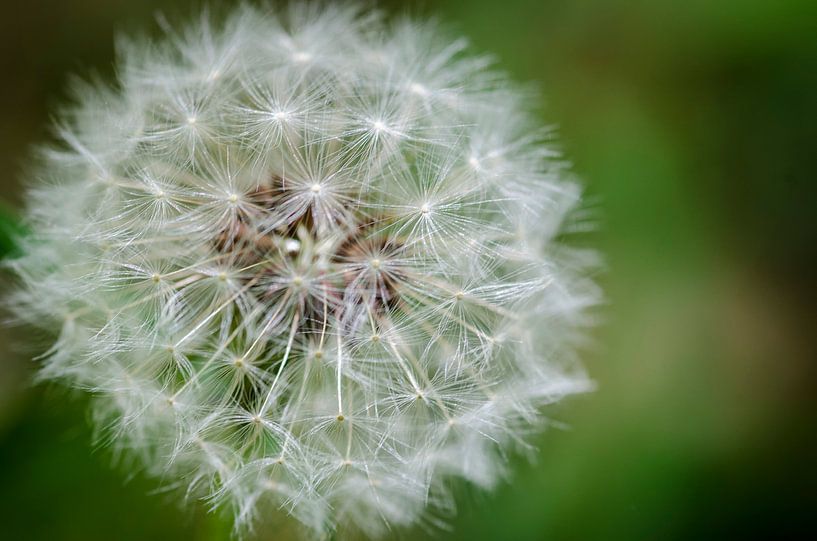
pixel 694 126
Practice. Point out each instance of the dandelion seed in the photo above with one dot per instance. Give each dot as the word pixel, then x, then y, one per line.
pixel 301 57
pixel 418 89
pixel 291 246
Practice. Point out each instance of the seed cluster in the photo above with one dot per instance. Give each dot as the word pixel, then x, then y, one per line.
pixel 308 262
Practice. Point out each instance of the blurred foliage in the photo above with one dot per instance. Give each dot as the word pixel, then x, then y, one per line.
pixel 10 230
pixel 693 124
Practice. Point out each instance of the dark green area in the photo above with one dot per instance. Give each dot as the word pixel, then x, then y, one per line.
pixel 694 125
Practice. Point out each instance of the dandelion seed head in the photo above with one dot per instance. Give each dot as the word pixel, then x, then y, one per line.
pixel 309 262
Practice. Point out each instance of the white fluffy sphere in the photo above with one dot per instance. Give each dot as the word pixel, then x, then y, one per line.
pixel 308 262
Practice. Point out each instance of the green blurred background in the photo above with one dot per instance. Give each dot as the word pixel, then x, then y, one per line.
pixel 694 125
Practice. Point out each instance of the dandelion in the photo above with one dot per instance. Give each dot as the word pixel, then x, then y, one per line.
pixel 308 262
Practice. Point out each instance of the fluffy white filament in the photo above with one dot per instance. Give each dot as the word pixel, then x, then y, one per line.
pixel 307 262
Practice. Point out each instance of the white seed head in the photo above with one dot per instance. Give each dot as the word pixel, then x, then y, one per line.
pixel 335 349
